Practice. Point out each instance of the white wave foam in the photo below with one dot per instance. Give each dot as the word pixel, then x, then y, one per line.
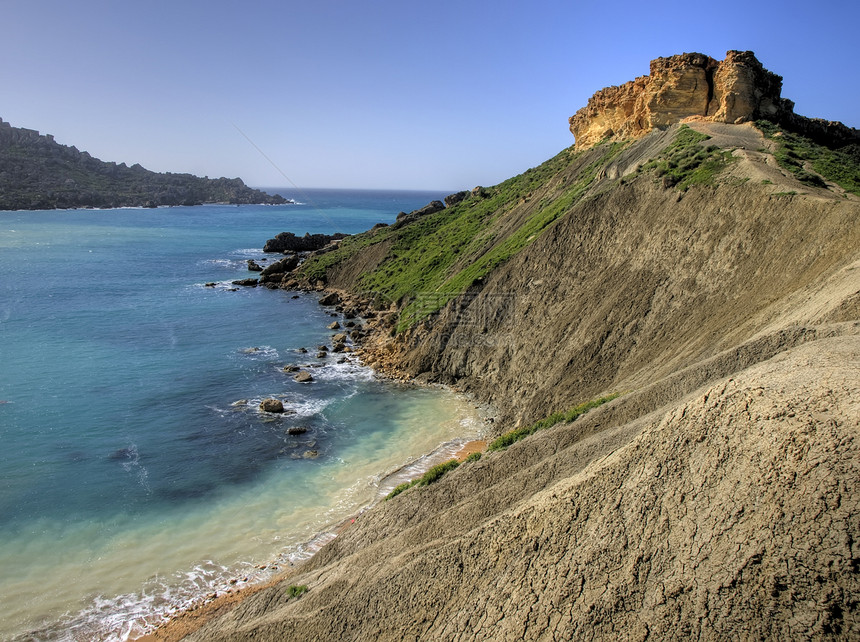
pixel 226 263
pixel 133 465
pixel 131 615
pixel 349 371
pixel 309 407
pixel 260 353
pixel 250 252
pixel 296 405
pixel 219 285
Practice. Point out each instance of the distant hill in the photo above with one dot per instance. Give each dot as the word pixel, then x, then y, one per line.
pixel 36 172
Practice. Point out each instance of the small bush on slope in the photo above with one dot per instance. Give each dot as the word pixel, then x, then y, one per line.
pixel 434 474
pixel 556 418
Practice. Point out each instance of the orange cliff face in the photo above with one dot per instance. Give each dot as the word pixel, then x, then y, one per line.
pixel 734 90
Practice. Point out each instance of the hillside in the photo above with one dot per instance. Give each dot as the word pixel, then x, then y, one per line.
pixel 706 272
pixel 36 172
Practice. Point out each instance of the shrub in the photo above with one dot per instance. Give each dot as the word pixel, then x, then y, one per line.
pixel 434 474
pixel 399 489
pixel 685 162
pixel 294 591
pixel 547 422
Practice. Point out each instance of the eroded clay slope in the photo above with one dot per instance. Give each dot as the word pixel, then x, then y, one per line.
pixel 636 282
pixel 731 513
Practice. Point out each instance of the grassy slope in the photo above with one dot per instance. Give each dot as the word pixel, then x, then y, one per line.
pixel 442 255
pixel 794 153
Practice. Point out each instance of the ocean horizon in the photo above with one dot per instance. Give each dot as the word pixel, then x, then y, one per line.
pixel 138 475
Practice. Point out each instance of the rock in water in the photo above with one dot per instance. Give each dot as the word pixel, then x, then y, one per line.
pixel 304 377
pixel 272 405
pixel 289 242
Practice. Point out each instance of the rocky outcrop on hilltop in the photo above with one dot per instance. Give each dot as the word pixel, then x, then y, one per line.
pixel 692 85
pixel 36 172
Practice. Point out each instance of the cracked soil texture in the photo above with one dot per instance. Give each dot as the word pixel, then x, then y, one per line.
pixel 730 514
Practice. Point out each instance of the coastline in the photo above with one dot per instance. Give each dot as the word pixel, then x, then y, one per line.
pixel 369 348
pixel 187 621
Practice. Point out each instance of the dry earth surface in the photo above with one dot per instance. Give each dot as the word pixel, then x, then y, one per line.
pixel 716 498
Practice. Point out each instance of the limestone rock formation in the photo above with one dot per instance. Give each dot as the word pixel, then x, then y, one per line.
pixel 735 90
pixel 431 208
pixel 453 199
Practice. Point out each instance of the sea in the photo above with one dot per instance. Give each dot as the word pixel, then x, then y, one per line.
pixel 137 474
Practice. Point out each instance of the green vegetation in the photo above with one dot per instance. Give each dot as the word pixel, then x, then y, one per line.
pixel 315 268
pixel 432 475
pixel 442 255
pixel 472 457
pixel 294 591
pixel 840 166
pixel 400 488
pixel 686 163
pixel 559 417
pixel 505 249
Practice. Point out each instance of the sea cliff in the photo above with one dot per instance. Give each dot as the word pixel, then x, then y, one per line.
pixel 708 274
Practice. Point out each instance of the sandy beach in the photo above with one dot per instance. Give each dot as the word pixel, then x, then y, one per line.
pixel 187 621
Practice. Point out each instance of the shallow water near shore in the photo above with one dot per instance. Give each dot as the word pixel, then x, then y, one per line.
pixel 136 473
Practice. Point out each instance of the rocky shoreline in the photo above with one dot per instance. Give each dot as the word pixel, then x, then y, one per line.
pixel 371 336
pixel 362 331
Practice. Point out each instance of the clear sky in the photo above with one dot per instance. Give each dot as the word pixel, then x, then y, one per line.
pixel 437 94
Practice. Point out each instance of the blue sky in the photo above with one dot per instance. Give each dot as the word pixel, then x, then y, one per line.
pixel 377 94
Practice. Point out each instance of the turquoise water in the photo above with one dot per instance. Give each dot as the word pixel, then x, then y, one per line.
pixel 136 474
